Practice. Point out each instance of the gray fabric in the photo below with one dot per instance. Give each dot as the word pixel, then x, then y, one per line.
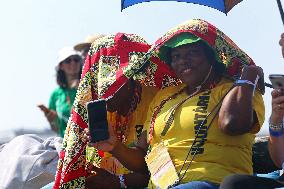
pixel 29 162
pixel 2 146
pixel 49 186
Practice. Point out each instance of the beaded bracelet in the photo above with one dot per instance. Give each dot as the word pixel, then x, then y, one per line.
pixel 240 82
pixel 122 181
pixel 275 133
pixel 276 130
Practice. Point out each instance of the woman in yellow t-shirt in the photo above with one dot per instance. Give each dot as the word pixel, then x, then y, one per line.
pixel 200 131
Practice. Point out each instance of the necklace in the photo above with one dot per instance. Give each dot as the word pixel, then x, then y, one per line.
pixel 172 110
pixel 122 128
pixel 122 122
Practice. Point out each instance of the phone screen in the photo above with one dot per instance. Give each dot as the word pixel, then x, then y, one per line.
pixel 97 120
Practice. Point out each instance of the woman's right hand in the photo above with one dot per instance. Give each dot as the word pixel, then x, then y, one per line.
pixel 49 114
pixel 105 145
pixel 277 106
pixel 43 108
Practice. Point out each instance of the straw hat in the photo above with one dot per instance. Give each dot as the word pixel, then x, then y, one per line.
pixel 88 41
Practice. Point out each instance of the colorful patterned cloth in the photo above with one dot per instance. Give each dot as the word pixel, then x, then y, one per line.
pixel 229 53
pixel 111 62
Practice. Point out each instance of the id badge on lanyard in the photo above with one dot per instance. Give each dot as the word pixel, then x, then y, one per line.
pixel 159 162
pixel 161 167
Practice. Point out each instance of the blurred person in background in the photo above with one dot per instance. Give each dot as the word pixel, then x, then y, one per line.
pixel 68 73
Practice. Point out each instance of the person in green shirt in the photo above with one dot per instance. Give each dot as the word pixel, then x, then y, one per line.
pixel 68 73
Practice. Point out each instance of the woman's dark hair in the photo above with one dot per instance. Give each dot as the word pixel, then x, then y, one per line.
pixel 61 77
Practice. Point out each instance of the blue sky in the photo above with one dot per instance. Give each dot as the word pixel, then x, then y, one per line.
pixel 32 31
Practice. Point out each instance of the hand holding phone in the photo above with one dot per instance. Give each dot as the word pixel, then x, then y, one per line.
pixel 97 120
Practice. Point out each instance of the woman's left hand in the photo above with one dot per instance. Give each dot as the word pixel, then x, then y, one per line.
pixel 105 145
pixel 251 72
pixel 102 179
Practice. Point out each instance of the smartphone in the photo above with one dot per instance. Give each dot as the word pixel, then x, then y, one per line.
pixel 277 81
pixel 97 120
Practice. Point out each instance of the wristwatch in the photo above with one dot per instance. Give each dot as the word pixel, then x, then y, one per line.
pixel 122 181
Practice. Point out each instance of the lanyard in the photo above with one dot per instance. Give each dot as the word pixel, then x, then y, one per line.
pixel 216 110
pixel 172 113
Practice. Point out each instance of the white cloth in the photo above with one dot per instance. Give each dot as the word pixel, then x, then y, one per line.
pixel 29 162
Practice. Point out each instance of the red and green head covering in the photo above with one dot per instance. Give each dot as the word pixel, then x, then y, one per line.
pixel 115 59
pixel 188 38
pixel 179 40
pixel 227 53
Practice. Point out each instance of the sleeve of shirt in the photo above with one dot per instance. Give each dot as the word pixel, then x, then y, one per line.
pixel 257 103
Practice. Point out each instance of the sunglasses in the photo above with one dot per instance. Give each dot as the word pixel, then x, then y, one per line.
pixel 70 59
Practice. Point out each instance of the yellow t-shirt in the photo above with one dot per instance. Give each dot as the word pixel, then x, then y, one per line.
pixel 220 155
pixel 135 125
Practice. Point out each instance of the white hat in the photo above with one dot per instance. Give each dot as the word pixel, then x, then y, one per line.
pixel 66 52
pixel 88 41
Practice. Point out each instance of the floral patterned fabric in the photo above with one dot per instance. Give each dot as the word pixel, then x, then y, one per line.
pixel 233 58
pixel 111 62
